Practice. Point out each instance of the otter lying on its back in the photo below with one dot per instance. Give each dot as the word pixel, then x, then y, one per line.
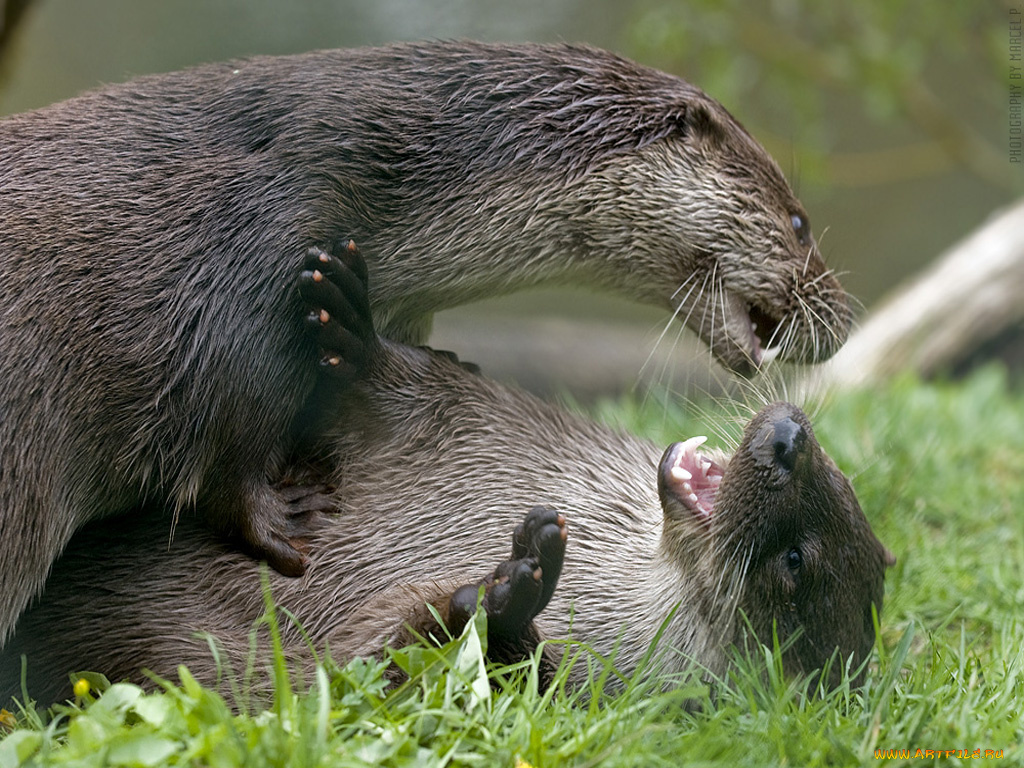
pixel 435 466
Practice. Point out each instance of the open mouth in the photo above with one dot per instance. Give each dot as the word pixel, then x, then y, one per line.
pixel 764 328
pixel 741 333
pixel 689 478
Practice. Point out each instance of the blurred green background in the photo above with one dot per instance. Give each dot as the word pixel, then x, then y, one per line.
pixel 890 118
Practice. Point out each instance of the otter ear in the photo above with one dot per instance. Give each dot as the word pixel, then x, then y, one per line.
pixel 699 119
pixel 888 557
pixel 696 119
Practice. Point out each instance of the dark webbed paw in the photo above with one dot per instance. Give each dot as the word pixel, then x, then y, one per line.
pixel 511 594
pixel 333 289
pixel 542 534
pixel 304 497
pixel 277 523
pixel 279 526
pixel 520 587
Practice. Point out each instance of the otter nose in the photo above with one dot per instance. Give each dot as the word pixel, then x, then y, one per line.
pixel 788 442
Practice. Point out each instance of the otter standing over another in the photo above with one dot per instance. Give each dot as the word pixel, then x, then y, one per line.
pixel 151 230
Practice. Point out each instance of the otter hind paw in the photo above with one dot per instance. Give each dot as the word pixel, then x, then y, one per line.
pixel 519 588
pixel 542 534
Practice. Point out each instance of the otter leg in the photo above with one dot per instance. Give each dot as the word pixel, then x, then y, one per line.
pixel 280 518
pixel 273 523
pixel 518 589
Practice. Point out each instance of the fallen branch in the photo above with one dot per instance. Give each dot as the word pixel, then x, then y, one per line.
pixel 971 295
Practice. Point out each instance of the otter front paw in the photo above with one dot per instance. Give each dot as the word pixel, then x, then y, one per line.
pixel 521 587
pixel 336 303
pixel 275 528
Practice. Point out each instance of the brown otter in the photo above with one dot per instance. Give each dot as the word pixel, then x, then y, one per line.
pixel 434 466
pixel 151 231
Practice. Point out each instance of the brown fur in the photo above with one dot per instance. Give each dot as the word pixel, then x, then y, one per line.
pixel 151 233
pixel 432 476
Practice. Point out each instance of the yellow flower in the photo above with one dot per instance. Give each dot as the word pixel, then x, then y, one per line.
pixel 520 763
pixel 81 687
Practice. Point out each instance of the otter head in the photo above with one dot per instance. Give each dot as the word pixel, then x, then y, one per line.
pixel 709 228
pixel 786 540
pixel 566 163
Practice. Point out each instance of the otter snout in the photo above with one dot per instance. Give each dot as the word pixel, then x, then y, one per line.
pixel 782 441
pixel 788 443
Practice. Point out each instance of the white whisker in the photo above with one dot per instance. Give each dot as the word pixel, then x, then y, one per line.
pixel 668 324
pixel 821 237
pixel 681 286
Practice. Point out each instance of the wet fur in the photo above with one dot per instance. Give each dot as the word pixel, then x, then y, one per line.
pixel 151 232
pixel 433 474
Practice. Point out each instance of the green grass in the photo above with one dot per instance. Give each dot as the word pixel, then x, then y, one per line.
pixel 938 469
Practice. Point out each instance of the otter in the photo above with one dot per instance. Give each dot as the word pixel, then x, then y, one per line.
pixel 434 465
pixel 151 231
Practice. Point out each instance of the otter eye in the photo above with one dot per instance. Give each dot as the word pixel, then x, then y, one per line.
pixel 794 560
pixel 802 228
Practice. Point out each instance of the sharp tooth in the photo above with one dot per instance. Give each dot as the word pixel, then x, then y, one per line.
pixel 692 498
pixel 689 446
pixel 680 475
